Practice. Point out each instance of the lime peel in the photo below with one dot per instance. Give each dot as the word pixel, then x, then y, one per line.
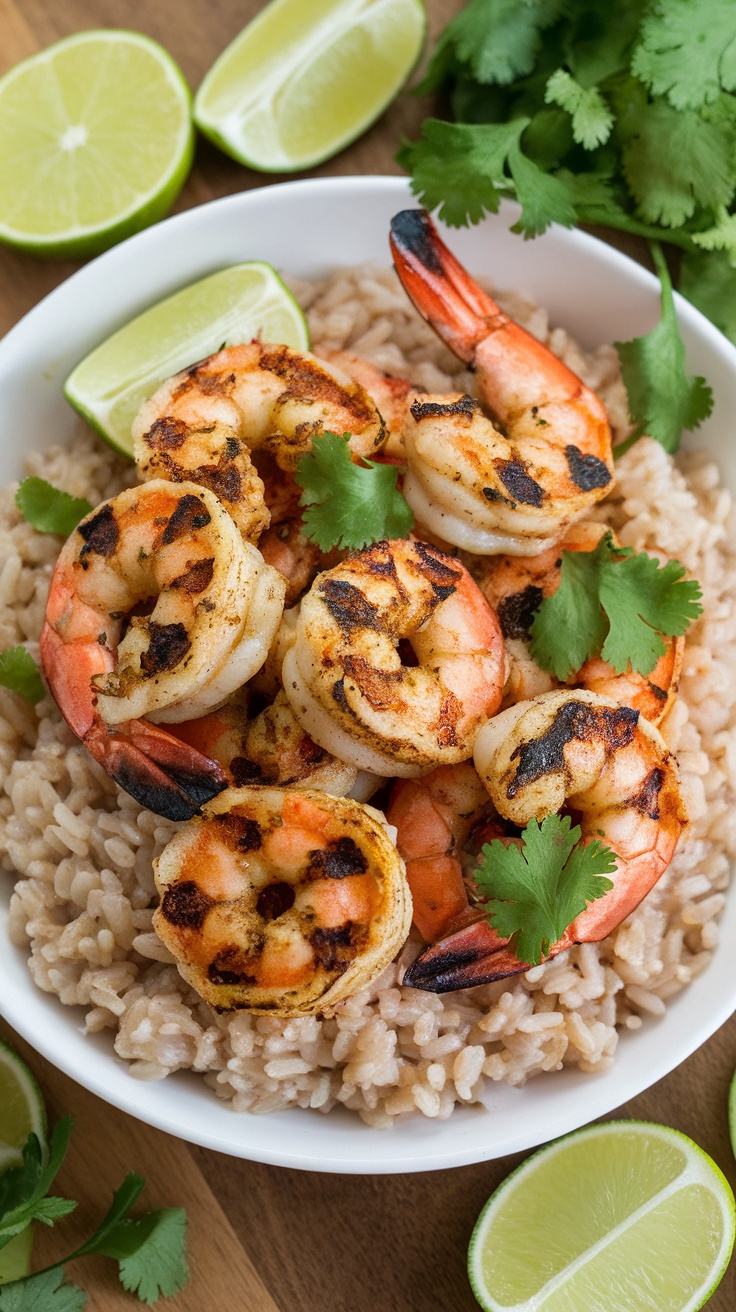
pixel 22 1107
pixel 301 82
pixel 234 305
pixel 525 1239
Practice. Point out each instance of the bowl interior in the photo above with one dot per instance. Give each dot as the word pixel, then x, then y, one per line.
pixel 307 228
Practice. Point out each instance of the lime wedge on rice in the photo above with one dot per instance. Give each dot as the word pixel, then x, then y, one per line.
pixel 96 140
pixel 627 1216
pixel 22 1112
pixel 235 305
pixel 306 77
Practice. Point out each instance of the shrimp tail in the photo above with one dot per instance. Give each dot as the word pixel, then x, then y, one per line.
pixel 473 955
pixel 158 770
pixel 460 312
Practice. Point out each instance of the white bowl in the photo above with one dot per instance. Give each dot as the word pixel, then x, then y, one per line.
pixel 308 228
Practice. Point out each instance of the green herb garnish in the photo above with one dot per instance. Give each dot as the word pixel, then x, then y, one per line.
pixel 534 892
pixel 620 115
pixel 19 672
pixel 613 602
pixel 349 505
pixel 49 509
pixel 149 1250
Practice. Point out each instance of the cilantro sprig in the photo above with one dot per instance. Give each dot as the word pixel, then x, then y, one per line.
pixel 48 508
pixel 616 603
pixel 534 892
pixel 150 1249
pixel 349 505
pixel 620 115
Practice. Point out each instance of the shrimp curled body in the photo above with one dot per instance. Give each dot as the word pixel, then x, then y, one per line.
pixel 282 902
pixel 516 484
pixel 613 770
pixel 157 609
pixel 204 423
pixel 346 675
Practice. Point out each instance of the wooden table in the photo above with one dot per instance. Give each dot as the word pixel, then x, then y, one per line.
pixel 264 1239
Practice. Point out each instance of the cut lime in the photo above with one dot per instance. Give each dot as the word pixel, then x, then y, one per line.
pixel 15 1257
pixel 302 80
pixel 96 140
pixel 627 1216
pixel 235 305
pixel 22 1108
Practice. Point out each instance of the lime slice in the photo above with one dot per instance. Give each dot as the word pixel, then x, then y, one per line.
pixel 96 140
pixel 22 1108
pixel 303 80
pixel 626 1216
pixel 235 305
pixel 22 1112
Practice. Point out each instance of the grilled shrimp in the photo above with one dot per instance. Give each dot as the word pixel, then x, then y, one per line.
pixel 157 609
pixel 282 902
pixel 613 770
pixel 398 659
pixel 512 488
pixel 269 748
pixel 515 587
pixel 203 424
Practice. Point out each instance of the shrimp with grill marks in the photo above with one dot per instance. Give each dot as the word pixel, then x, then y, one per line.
pixel 516 586
pixel 157 609
pixel 398 659
pixel 282 902
pixel 612 770
pixel 511 486
pixel 203 424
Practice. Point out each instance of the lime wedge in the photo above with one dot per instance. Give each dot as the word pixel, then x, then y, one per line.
pixel 96 140
pixel 15 1257
pixel 304 79
pixel 22 1108
pixel 235 305
pixel 627 1216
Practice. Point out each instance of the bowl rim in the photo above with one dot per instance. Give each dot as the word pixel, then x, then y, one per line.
pixel 291 1147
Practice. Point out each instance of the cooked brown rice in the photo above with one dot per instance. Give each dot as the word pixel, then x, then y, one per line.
pixel 81 849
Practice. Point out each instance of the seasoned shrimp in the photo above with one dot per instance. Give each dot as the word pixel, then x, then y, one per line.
pixel 398 659
pixel 158 609
pixel 269 748
pixel 613 770
pixel 515 587
pixel 433 817
pixel 205 422
pixel 489 489
pixel 390 393
pixel 282 902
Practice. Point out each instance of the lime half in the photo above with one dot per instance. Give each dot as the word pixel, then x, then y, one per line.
pixel 96 140
pixel 235 305
pixel 306 77
pixel 626 1216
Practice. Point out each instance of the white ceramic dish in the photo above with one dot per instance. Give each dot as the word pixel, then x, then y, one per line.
pixel 308 228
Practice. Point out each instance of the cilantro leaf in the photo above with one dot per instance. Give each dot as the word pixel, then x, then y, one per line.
pixel 47 1291
pixel 349 505
pixel 23 1188
pixel 19 672
pixel 534 893
pixel 544 198
pixel 461 167
pixel 151 1252
pixel 709 281
pixel 613 602
pixel 49 509
pixel 721 236
pixel 687 51
pixel 663 399
pixel 499 39
pixel 677 160
pixel 592 119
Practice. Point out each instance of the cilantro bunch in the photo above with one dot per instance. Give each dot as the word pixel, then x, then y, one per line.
pixel 621 115
pixel 150 1249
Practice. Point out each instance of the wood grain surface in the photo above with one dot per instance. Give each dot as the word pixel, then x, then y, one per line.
pixel 264 1239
